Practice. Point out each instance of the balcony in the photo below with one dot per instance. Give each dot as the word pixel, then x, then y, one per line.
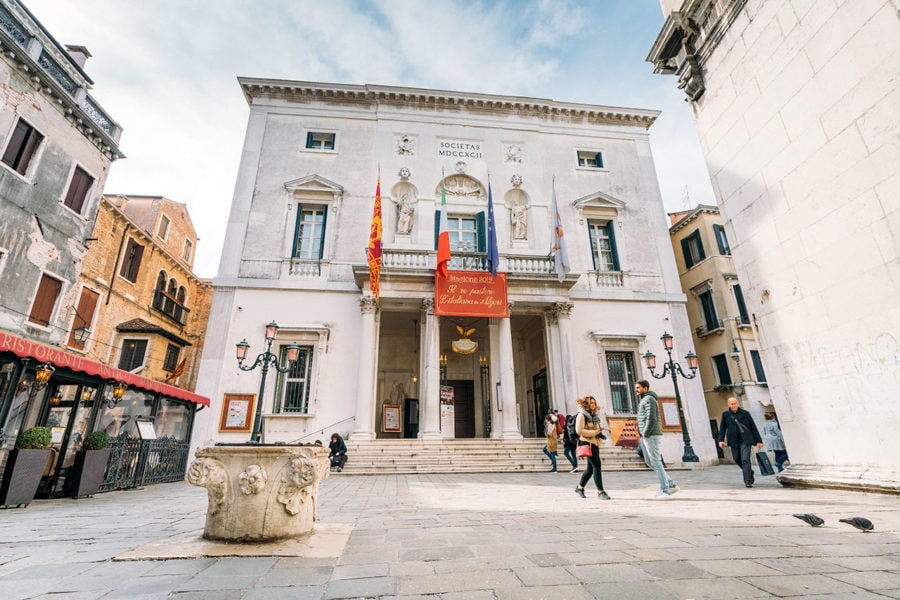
pixel 515 266
pixel 170 306
pixel 708 328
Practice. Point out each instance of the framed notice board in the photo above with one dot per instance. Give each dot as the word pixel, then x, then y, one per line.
pixel 668 412
pixel 237 413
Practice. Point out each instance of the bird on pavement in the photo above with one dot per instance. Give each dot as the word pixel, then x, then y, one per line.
pixel 861 523
pixel 810 518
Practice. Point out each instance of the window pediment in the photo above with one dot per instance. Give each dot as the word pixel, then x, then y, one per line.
pixel 314 183
pixel 598 206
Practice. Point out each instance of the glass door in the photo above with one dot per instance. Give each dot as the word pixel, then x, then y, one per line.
pixel 68 416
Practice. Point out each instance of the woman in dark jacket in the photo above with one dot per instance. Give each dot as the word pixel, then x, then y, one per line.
pixel 337 452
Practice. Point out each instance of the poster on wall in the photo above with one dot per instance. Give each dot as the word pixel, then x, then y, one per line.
pixel 448 416
pixel 390 418
pixel 668 411
pixel 237 412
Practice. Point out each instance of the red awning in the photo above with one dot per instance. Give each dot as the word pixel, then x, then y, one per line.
pixel 60 358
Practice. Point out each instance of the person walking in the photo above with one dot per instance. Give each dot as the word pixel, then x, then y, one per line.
pixel 738 428
pixel 651 436
pixel 775 441
pixel 570 442
pixel 551 446
pixel 587 425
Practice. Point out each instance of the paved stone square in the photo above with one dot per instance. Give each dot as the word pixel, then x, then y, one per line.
pixel 512 536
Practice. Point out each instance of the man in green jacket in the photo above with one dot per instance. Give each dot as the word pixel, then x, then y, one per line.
pixel 651 435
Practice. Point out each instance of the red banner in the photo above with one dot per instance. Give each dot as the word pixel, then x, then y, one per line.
pixel 471 294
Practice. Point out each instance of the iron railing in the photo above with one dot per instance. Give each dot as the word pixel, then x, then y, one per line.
pixel 134 462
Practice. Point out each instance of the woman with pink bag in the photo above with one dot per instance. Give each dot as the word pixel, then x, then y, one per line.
pixel 587 424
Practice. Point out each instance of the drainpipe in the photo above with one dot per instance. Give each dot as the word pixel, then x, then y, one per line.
pixel 116 266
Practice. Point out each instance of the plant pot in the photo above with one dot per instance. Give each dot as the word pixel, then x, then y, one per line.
pixel 22 476
pixel 88 472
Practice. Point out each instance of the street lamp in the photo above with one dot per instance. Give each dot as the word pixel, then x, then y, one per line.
pixel 674 369
pixel 265 359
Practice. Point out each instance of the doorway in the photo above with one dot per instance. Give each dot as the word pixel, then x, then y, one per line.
pixel 541 401
pixel 68 412
pixel 463 407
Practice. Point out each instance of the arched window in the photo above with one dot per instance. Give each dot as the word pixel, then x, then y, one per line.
pixel 158 297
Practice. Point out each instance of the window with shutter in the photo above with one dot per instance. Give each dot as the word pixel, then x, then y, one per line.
pixel 742 307
pixel 23 143
pixel 721 364
pixel 590 159
pixel 603 245
pixel 309 238
pixel 45 301
pixel 317 140
pixel 692 248
pixel 708 308
pixel 722 240
pixel 84 316
pixel 132 355
pixel 170 363
pixel 758 366
pixel 131 260
pixel 78 189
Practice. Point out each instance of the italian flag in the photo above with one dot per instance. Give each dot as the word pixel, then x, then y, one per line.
pixel 443 247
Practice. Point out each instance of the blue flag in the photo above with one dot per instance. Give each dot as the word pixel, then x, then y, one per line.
pixel 493 255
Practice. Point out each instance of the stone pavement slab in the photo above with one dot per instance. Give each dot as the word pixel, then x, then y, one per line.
pixel 468 536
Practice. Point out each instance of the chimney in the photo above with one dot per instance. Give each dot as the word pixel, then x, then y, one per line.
pixel 79 54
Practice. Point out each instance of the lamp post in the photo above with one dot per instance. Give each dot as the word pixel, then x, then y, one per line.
pixel 674 369
pixel 265 359
pixel 738 387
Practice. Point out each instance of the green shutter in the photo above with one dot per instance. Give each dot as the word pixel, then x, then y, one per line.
pixel 481 232
pixel 437 227
pixel 599 159
pixel 699 243
pixel 309 139
pixel 296 231
pixel 324 225
pixel 612 244
pixel 686 250
pixel 593 243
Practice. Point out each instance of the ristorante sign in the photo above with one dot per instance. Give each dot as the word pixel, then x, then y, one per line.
pixel 470 294
pixel 24 348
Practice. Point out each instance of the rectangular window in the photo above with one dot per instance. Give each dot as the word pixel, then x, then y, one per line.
pixel 590 159
pixel 293 387
pixel 316 140
pixel 721 240
pixel 758 366
pixel 78 189
pixel 171 361
pixel 45 301
pixel 84 316
pixel 131 260
pixel 23 143
pixel 309 240
pixel 692 247
pixel 742 307
pixel 603 245
pixel 720 362
pixel 708 309
pixel 132 355
pixel 188 253
pixel 163 230
pixel 620 366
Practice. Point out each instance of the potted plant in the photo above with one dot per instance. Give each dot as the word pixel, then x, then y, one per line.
pixel 89 469
pixel 25 467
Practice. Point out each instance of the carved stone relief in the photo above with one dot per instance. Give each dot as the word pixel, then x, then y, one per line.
pixel 253 480
pixel 211 474
pixel 513 153
pixel 406 145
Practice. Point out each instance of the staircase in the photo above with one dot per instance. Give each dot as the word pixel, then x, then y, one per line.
pixel 381 457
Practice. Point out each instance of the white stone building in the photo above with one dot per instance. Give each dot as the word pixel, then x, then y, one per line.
pixel 295 253
pixel 797 104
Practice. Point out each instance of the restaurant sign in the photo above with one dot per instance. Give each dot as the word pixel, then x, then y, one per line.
pixel 470 294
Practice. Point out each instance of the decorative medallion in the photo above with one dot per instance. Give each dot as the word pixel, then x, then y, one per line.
pixel 464 345
pixel 513 153
pixel 253 480
pixel 461 167
pixel 406 145
pixel 516 180
pixel 404 173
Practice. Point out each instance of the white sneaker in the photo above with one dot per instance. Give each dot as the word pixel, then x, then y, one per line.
pixel 674 490
pixel 574 470
pixel 660 496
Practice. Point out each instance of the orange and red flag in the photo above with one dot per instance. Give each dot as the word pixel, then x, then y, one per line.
pixel 373 252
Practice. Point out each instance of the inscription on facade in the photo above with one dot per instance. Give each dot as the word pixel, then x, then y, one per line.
pixel 459 149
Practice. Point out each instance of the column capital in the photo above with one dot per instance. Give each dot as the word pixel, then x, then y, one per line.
pixel 368 305
pixel 562 309
pixel 428 306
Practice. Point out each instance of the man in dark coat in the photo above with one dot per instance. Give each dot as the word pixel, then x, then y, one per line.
pixel 738 428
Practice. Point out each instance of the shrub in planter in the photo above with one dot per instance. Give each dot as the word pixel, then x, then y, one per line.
pixel 25 467
pixel 89 469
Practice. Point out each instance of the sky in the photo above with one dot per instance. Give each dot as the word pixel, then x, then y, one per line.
pixel 166 71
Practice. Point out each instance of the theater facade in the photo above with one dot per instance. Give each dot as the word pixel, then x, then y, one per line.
pixel 471 355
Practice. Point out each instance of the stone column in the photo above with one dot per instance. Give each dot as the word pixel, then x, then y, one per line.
pixel 563 311
pixel 430 407
pixel 368 353
pixel 560 398
pixel 507 377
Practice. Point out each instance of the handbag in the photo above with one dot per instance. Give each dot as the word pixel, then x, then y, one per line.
pixel 584 451
pixel 765 465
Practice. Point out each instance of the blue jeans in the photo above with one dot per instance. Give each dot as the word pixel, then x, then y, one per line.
pixel 552 456
pixel 653 457
pixel 780 458
pixel 569 451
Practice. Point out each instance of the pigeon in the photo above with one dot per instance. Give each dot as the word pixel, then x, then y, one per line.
pixel 810 518
pixel 861 523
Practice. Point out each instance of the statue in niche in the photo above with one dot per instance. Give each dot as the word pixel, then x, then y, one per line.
pixel 519 217
pixel 399 393
pixel 405 212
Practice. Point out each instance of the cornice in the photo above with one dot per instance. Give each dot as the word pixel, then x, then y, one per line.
pixel 374 96
pixel 701 209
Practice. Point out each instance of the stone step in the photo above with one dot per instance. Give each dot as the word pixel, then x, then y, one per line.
pixel 404 456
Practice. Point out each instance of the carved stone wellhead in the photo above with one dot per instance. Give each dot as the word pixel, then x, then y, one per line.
pixel 259 493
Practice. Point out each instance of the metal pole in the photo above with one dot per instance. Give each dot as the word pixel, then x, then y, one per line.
pixel 256 436
pixel 689 455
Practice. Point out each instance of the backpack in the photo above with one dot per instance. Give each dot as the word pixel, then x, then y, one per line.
pixel 570 436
